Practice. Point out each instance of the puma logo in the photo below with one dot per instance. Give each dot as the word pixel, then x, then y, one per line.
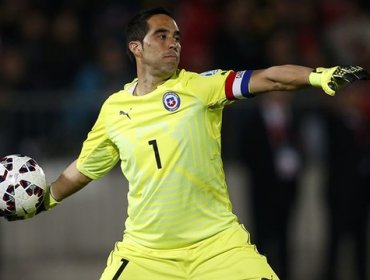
pixel 123 113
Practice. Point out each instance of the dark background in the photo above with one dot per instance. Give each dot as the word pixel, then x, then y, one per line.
pixel 59 60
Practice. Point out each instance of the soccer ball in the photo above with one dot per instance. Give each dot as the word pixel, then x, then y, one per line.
pixel 22 185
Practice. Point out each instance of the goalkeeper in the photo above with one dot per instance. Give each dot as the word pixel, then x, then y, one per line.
pixel 164 129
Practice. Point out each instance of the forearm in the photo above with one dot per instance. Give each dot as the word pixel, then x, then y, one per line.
pixel 69 182
pixel 279 78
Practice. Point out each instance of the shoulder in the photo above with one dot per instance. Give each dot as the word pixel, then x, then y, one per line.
pixel 203 77
pixel 209 73
pixel 184 75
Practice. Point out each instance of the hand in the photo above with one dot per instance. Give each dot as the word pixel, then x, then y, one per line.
pixel 48 203
pixel 332 79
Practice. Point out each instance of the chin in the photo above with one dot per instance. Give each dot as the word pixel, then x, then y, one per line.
pixel 170 68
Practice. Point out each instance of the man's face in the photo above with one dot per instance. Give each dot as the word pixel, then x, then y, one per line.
pixel 161 45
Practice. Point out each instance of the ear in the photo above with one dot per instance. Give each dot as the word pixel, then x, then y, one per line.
pixel 136 48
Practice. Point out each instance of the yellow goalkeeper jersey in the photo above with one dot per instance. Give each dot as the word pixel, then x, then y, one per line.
pixel 169 146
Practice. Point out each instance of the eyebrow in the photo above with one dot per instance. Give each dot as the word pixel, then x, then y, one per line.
pixel 163 30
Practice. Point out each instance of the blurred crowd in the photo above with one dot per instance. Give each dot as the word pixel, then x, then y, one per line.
pixel 59 60
pixel 65 57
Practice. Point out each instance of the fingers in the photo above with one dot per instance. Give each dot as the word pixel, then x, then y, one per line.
pixel 351 74
pixel 346 75
pixel 334 78
pixel 333 86
pixel 359 72
pixel 41 208
pixel 363 75
pixel 12 218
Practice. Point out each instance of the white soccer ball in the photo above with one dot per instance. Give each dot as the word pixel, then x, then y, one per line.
pixel 22 185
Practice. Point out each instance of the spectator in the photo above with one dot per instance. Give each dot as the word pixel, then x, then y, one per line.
pixel 274 160
pixel 34 31
pixel 236 42
pixel 94 82
pixel 348 181
pixel 65 54
pixel 273 154
pixel 198 21
pixel 12 70
pixel 348 38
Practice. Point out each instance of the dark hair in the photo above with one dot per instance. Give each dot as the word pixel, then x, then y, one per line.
pixel 138 27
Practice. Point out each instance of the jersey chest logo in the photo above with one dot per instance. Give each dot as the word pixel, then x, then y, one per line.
pixel 124 113
pixel 171 101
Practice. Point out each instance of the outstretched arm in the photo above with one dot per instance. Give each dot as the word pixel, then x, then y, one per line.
pixel 69 182
pixel 293 77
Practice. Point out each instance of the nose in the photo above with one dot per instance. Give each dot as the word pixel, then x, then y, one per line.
pixel 174 44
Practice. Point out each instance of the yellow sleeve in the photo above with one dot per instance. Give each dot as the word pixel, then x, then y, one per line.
pixel 217 88
pixel 98 155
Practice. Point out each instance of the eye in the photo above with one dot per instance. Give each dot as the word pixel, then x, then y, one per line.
pixel 162 36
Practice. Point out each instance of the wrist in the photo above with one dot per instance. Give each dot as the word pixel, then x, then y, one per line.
pixel 51 201
pixel 52 194
pixel 315 79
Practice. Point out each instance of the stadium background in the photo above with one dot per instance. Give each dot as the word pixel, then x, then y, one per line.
pixel 60 59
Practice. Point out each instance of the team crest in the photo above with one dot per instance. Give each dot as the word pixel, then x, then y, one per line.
pixel 171 101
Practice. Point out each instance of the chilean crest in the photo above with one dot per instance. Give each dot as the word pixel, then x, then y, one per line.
pixel 171 101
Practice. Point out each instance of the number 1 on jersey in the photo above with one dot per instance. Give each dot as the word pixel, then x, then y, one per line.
pixel 156 152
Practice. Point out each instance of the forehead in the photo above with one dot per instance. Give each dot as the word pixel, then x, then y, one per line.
pixel 162 22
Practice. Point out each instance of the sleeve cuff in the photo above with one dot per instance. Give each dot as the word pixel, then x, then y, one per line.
pixel 315 79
